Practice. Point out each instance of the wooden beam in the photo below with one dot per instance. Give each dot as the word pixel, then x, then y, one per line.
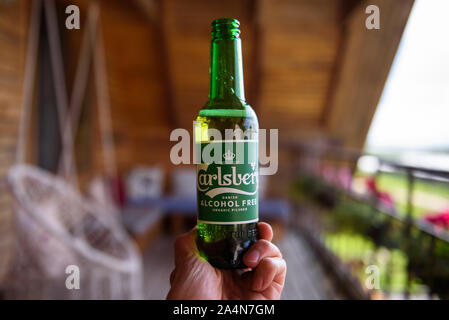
pixel 366 60
pixel 344 10
pixel 149 8
pixel 155 12
pixel 162 34
pixel 167 73
pixel 347 7
pixel 254 8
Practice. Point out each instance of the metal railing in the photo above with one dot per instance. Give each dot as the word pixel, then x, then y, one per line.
pixel 310 158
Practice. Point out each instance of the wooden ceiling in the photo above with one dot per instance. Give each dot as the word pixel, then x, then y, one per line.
pixel 311 67
pixel 289 50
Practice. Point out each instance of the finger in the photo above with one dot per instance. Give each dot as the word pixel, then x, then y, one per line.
pixel 261 249
pixel 185 246
pixel 265 231
pixel 269 270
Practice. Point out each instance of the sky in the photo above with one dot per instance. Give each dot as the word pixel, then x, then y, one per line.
pixel 413 112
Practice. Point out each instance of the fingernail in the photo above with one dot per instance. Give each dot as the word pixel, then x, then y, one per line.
pixel 253 256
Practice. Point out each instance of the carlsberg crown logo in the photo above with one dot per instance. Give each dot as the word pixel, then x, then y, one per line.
pixel 229 155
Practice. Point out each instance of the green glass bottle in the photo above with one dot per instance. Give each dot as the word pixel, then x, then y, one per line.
pixel 227 189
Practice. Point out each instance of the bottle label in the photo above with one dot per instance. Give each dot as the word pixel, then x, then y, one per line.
pixel 227 188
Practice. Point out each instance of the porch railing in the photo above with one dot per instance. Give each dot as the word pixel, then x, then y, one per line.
pixel 424 244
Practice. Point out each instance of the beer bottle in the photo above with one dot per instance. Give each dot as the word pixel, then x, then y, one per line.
pixel 226 141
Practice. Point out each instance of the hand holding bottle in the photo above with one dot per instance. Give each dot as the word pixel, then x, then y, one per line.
pixel 195 278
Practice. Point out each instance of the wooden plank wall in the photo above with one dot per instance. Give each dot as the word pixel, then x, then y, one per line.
pixel 13 31
pixel 158 67
pixel 299 49
pixel 187 29
pixel 139 113
pixel 311 68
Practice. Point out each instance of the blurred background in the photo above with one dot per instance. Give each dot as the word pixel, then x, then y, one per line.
pixel 360 202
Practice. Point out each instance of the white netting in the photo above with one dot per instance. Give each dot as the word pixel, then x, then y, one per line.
pixel 56 227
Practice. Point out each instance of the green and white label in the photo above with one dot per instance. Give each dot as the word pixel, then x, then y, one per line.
pixel 227 188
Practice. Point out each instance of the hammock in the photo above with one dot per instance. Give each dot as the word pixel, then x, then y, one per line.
pixel 55 226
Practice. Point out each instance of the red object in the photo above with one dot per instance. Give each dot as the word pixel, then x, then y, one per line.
pixel 440 219
pixel 384 197
pixel 371 184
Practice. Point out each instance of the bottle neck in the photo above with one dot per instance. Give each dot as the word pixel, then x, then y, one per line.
pixel 226 74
